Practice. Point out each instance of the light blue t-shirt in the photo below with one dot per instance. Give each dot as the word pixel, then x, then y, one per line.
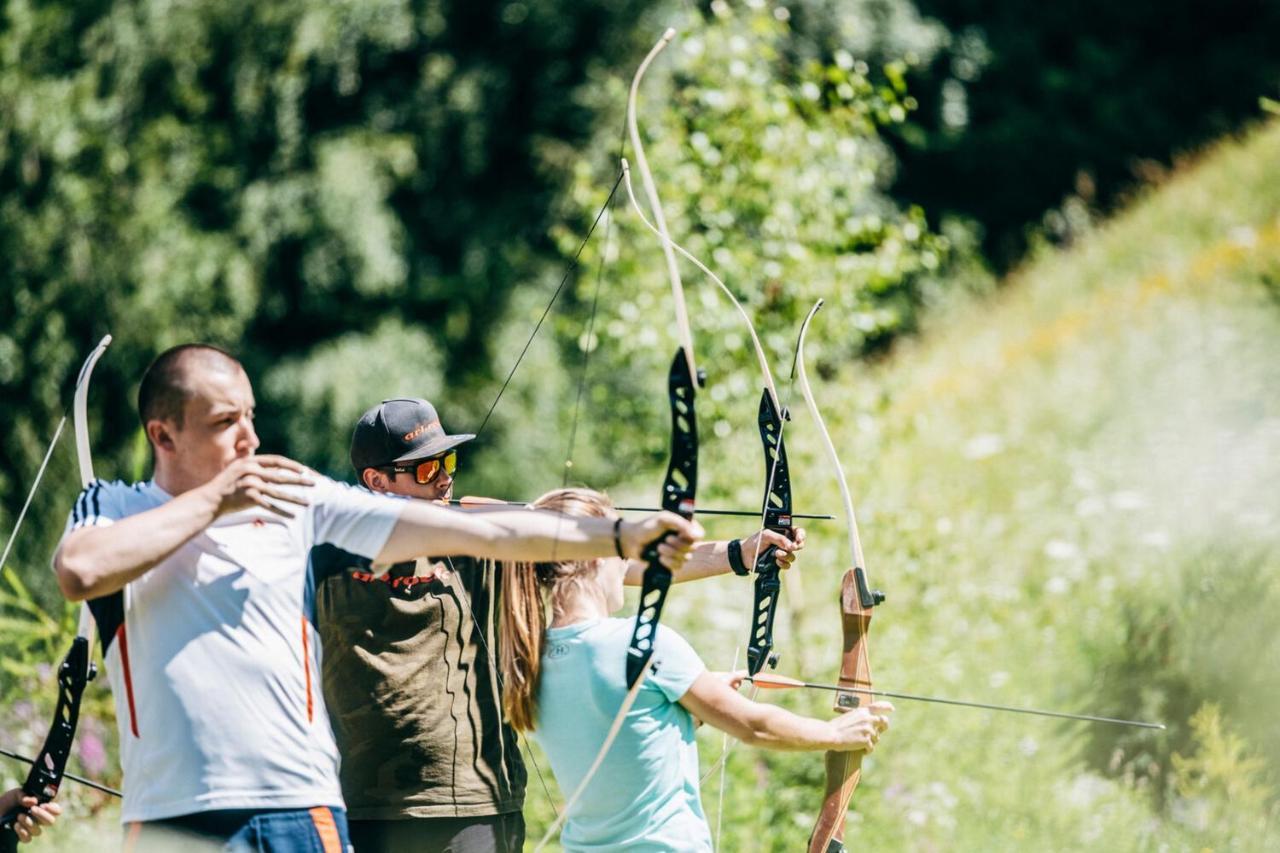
pixel 645 794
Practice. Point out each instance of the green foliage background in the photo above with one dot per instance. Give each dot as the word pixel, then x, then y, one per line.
pixel 308 184
pixel 1063 485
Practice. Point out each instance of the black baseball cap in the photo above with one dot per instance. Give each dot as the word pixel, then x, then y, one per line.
pixel 397 431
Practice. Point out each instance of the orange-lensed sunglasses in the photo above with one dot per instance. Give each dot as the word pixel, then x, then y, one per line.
pixel 426 470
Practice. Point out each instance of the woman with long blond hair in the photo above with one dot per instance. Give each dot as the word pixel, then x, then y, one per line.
pixel 564 681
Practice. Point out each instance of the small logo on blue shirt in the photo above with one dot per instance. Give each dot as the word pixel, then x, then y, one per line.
pixel 557 651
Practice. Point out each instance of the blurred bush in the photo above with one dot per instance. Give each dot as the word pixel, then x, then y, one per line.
pixel 1194 635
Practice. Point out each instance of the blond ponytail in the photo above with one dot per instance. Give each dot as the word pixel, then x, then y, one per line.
pixel 523 629
pixel 524 608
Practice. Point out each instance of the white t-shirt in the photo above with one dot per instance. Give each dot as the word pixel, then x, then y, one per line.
pixel 213 657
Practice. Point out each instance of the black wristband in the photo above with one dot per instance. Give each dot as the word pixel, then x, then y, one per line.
pixel 735 558
pixel 617 537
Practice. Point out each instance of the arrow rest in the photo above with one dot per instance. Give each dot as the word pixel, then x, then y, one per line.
pixel 867 597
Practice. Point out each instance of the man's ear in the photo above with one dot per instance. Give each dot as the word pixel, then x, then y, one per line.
pixel 374 480
pixel 160 434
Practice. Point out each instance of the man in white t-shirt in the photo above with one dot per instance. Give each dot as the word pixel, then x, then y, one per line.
pixel 198 581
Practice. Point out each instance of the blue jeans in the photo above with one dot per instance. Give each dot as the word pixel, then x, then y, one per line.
pixel 318 830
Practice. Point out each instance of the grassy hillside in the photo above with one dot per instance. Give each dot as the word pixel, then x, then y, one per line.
pixel 1068 492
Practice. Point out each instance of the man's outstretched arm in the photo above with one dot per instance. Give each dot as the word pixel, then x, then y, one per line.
pixel 529 534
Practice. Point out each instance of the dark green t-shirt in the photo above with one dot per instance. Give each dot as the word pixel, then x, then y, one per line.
pixel 411 687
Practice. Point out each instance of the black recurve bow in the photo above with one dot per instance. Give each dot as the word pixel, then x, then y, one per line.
pixel 77 669
pixel 679 488
pixel 777 517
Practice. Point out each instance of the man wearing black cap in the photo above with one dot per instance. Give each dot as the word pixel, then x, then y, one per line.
pixel 399 436
pixel 426 762
pixel 410 662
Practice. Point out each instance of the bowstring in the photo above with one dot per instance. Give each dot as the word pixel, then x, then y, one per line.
pixel 589 344
pixel 481 632
pixel 724 766
pixel 35 486
pixel 564 280
pixel 606 208
pixel 587 349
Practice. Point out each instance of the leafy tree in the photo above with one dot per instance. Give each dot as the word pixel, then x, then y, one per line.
pixel 307 183
pixel 771 169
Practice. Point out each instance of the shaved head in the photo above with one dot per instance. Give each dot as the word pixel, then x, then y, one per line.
pixel 173 379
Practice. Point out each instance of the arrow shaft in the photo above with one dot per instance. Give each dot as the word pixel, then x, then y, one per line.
pixel 73 777
pixel 736 512
pixel 1089 718
pixel 742 513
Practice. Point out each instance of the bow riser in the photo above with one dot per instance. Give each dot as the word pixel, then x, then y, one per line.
pixel 50 762
pixel 844 769
pixel 777 517
pixel 678 491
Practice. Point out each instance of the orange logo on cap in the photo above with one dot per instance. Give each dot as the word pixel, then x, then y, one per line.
pixel 421 428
